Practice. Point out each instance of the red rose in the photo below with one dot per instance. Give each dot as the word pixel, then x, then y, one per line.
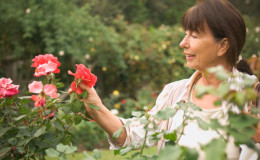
pixel 85 75
pixel 45 64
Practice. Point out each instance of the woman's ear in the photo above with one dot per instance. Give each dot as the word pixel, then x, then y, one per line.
pixel 223 47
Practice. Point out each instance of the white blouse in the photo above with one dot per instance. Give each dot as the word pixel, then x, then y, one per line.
pixel 194 136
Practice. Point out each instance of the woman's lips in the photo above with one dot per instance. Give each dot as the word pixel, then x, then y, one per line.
pixel 190 57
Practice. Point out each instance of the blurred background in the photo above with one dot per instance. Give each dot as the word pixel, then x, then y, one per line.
pixel 132 46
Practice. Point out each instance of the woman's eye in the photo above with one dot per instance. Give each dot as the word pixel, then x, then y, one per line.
pixel 194 36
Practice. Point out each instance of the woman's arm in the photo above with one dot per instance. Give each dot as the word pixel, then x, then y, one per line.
pixel 109 122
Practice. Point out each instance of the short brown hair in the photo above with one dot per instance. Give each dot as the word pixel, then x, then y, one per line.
pixel 224 21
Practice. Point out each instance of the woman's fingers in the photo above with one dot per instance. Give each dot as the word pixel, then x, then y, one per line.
pixel 70 91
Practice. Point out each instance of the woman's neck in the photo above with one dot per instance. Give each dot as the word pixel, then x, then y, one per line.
pixel 208 79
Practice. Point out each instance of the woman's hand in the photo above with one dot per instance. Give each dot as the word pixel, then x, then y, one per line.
pixel 91 98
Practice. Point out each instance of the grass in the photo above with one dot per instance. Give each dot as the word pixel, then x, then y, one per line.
pixel 107 155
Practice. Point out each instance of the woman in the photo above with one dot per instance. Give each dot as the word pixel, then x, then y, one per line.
pixel 214 35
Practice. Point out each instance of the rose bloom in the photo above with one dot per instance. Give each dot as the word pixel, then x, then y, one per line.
pixel 45 64
pixel 7 89
pixel 86 77
pixel 37 87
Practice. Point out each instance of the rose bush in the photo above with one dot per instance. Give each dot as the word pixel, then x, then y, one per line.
pixel 32 130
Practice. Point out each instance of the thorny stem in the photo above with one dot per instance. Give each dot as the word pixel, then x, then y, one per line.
pixel 146 132
pixel 182 131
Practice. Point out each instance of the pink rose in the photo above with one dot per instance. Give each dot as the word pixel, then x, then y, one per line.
pixel 85 75
pixel 45 64
pixel 37 87
pixel 7 89
pixel 48 89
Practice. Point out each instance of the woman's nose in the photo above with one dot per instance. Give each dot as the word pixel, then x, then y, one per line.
pixel 184 43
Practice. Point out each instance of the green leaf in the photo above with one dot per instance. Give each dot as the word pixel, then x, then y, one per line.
pixel 4 130
pixel 194 107
pixel 123 151
pixel 171 136
pixel 222 75
pixel 40 131
pixel 72 96
pixel 215 150
pixel 223 89
pixel 61 147
pixel 88 157
pixel 242 135
pixel 116 152
pixel 19 118
pixel 4 151
pixel 137 114
pixel 77 119
pixel 117 133
pixel 170 152
pixel 12 141
pixel 165 114
pixel 96 154
pixel 242 120
pixel 190 154
pixel 240 98
pixel 93 106
pixel 58 125
pixel 25 131
pixel 217 103
pixel 20 149
pixel 61 113
pixel 76 106
pixel 52 152
pixel 202 90
pixel 202 124
pixel 84 94
pixel 70 149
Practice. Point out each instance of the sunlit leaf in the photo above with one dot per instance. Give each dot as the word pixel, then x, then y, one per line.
pixel 170 152
pixel 52 152
pixel 215 150
pixel 123 151
pixel 4 130
pixel 202 124
pixel 165 114
pixel 171 136
pixel 40 131
pixel 93 106
pixel 96 154
pixel 4 151
pixel 117 133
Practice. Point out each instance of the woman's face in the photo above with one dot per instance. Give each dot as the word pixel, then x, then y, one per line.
pixel 202 50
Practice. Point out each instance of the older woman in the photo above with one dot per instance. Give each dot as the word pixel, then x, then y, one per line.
pixel 214 35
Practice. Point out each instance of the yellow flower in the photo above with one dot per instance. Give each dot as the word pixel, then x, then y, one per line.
pixel 92 50
pixel 116 93
pixel 104 69
pixel 117 106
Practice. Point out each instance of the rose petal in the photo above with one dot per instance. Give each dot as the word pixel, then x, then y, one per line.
pixel 35 87
pixel 73 88
pixel 50 90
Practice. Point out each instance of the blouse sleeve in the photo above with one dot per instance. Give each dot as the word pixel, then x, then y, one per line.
pixel 135 132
